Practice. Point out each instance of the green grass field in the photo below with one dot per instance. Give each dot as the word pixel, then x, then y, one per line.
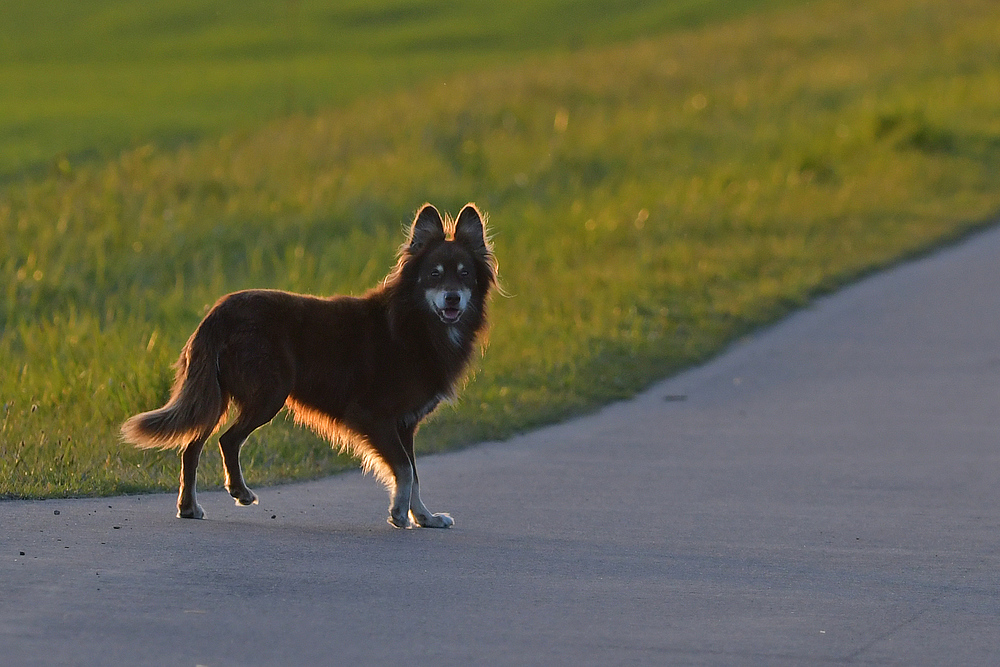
pixel 651 201
pixel 89 79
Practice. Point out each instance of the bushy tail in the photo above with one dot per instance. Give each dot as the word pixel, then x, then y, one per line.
pixel 196 404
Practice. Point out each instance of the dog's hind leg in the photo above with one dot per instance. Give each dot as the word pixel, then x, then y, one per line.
pixel 251 418
pixel 187 500
pixel 418 511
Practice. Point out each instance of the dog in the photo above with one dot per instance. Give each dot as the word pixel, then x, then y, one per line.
pixel 361 371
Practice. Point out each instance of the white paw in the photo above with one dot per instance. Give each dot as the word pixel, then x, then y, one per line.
pixel 399 521
pixel 243 495
pixel 195 512
pixel 434 521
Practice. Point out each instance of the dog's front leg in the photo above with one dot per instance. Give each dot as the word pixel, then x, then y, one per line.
pixel 423 516
pixel 399 510
pixel 384 441
pixel 418 511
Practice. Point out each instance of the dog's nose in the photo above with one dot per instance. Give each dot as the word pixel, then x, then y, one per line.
pixel 452 299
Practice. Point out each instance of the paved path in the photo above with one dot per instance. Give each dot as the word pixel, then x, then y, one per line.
pixel 824 493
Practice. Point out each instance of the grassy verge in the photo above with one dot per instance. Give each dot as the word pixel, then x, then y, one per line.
pixel 91 78
pixel 650 203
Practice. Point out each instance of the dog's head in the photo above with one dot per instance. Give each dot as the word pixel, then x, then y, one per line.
pixel 454 271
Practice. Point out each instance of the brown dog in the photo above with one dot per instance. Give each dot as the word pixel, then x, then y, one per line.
pixel 362 371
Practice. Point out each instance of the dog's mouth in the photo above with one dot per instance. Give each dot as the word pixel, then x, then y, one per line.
pixel 449 315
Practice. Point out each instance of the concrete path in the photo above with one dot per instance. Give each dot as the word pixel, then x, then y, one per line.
pixel 824 493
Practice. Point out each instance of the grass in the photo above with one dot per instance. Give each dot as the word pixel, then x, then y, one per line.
pixel 651 202
pixel 89 79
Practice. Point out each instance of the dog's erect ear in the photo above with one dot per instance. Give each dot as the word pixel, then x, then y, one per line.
pixel 427 227
pixel 469 230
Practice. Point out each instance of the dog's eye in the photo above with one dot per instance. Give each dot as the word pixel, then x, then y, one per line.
pixel 435 274
pixel 464 273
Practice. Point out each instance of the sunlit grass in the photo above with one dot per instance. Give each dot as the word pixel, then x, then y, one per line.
pixel 650 203
pixel 91 78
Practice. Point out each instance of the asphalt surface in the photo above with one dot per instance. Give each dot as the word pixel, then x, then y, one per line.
pixel 825 492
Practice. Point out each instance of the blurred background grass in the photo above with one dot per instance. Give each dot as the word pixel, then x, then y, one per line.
pixel 89 79
pixel 654 195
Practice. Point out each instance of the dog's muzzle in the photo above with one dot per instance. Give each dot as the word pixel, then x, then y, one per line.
pixel 452 310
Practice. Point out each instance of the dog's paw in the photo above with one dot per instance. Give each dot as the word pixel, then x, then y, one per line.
pixel 195 512
pixel 399 521
pixel 243 496
pixel 434 521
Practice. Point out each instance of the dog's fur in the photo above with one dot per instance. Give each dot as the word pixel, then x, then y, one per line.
pixel 362 371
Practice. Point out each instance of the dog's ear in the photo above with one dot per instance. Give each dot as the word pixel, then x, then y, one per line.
pixel 427 227
pixel 469 230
